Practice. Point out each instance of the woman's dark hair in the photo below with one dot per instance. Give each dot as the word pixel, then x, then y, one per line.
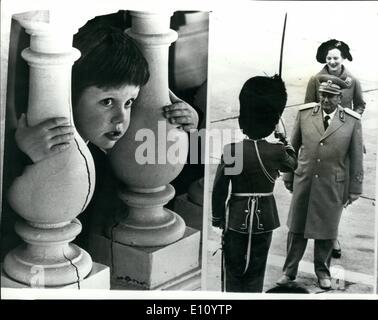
pixel 262 101
pixel 109 58
pixel 325 47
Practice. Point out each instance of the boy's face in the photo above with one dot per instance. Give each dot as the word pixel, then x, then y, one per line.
pixel 102 116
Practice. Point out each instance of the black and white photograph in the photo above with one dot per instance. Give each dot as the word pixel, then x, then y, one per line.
pixel 293 102
pixel 102 184
pixel 191 150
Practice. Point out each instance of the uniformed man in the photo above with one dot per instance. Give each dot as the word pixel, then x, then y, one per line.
pixel 328 141
pixel 250 215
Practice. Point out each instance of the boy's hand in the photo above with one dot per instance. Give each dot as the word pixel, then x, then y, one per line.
pixel 181 113
pixel 45 139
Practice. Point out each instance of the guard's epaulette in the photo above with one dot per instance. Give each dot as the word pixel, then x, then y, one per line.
pixel 307 106
pixel 352 113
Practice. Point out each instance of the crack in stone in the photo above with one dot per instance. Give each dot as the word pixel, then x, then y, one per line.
pixel 111 246
pixel 76 269
pixel 88 175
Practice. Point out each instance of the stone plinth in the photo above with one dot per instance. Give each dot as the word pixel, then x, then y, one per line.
pixel 98 278
pixel 151 268
pixel 189 281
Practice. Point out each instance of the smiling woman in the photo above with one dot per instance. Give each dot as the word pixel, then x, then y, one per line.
pixel 333 53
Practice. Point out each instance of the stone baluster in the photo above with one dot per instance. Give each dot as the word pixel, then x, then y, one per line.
pixel 51 193
pixel 146 185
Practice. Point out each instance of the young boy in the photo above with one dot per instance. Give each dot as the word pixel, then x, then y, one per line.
pixel 250 215
pixel 105 83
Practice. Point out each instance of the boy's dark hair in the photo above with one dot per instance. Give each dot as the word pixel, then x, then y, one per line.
pixel 109 58
pixel 262 101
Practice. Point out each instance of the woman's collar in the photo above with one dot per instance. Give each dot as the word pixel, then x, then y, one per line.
pixel 342 74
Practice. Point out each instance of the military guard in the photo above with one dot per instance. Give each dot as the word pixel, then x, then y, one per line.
pixel 250 215
pixel 328 141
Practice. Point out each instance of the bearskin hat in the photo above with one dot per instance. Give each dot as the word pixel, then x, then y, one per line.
pixel 333 44
pixel 262 101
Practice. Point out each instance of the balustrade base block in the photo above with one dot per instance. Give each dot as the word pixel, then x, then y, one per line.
pixel 151 268
pixel 98 278
pixel 190 281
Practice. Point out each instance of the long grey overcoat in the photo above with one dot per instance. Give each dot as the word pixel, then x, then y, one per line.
pixel 329 168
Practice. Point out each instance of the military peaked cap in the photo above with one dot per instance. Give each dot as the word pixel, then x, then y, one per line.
pixel 331 84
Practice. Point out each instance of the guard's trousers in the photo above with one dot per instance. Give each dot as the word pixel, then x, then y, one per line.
pixel 296 246
pixel 235 249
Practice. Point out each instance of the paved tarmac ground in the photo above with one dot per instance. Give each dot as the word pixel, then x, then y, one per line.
pixel 255 51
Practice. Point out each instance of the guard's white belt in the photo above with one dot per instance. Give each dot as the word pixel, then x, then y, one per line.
pixel 238 194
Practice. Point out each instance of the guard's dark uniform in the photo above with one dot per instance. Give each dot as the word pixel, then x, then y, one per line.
pixel 251 200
